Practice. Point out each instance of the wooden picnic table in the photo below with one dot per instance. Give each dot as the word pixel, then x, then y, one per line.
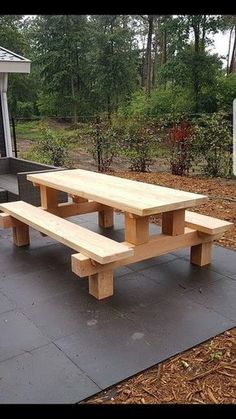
pixel 138 200
pixel 99 256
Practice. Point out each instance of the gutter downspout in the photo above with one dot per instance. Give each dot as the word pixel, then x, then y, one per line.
pixel 5 115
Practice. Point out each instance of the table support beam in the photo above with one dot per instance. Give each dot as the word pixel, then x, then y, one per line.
pixel 136 229
pixel 49 197
pixel 173 222
pixel 106 217
pixel 158 245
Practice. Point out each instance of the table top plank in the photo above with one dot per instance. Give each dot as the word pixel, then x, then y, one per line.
pixel 127 195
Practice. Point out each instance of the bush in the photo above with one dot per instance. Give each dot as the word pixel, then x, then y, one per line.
pixel 213 139
pixel 137 106
pixel 226 92
pixel 25 109
pixel 104 145
pixel 139 145
pixel 170 101
pixel 51 148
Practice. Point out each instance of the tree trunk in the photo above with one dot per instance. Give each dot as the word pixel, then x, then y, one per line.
pixel 203 33
pixel 143 68
pixel 232 68
pixel 229 47
pixel 109 108
pixel 149 54
pixel 75 117
pixel 196 85
pixel 155 53
pixel 164 48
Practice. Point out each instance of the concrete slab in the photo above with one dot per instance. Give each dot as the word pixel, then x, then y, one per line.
pixel 44 375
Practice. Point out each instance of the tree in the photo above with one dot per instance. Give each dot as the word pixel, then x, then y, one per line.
pixel 59 41
pixel 113 60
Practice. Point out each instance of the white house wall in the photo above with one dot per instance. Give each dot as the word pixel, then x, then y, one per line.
pixel 5 114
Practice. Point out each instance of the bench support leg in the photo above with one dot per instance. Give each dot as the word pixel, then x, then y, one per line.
pixel 21 234
pixel 173 222
pixel 106 218
pixel 136 229
pixel 201 254
pixel 101 284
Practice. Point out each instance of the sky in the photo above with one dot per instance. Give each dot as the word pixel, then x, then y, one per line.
pixel 221 45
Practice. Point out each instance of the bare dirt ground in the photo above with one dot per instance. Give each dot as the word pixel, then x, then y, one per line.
pixel 205 374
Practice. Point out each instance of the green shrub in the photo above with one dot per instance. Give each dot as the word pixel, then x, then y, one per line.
pixel 51 148
pixel 169 101
pixel 139 145
pixel 226 92
pixel 137 107
pixel 25 109
pixel 212 138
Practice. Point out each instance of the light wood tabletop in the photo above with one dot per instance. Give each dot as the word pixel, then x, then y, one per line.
pixel 127 195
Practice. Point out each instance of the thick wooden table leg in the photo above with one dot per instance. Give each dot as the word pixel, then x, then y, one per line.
pixel 136 229
pixel 101 284
pixel 106 217
pixel 173 222
pixel 49 197
pixel 201 254
pixel 21 234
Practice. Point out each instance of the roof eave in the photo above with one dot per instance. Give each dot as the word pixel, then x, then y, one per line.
pixel 15 67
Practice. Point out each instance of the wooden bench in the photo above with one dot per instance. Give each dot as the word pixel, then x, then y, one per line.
pixel 20 215
pixel 201 254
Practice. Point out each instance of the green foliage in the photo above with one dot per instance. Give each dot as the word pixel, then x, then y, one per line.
pixel 84 65
pixel 226 92
pixel 216 355
pixel 139 145
pixel 197 73
pixel 25 109
pixel 170 100
pixel 213 139
pixel 105 145
pixel 51 148
pixel 162 101
pixel 137 106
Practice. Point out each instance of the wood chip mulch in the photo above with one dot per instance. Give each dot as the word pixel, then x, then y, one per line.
pixel 205 374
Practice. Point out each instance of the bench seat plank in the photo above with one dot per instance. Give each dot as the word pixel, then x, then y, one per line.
pixel 206 224
pixel 99 248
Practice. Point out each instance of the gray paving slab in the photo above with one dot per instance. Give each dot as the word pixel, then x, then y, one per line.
pixel 18 335
pixel 113 350
pixel 6 304
pixel 178 322
pixel 29 289
pixel 65 313
pixel 179 272
pixel 44 375
pixel 221 297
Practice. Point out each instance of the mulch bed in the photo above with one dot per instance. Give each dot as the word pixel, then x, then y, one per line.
pixel 205 374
